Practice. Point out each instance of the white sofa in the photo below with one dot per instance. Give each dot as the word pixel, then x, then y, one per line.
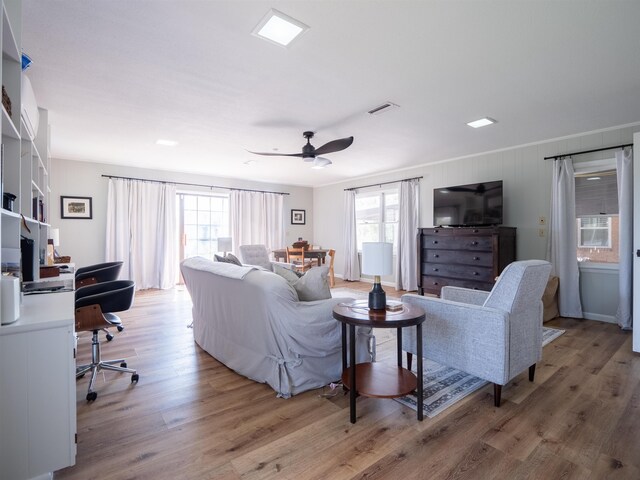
pixel 251 320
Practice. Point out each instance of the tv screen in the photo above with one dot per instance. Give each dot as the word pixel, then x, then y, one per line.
pixel 467 205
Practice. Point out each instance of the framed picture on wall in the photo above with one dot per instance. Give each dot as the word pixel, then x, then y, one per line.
pixel 76 207
pixel 298 217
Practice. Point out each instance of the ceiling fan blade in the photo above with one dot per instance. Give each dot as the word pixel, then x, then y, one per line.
pixel 334 146
pixel 276 154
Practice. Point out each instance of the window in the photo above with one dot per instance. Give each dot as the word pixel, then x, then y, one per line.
pixel 594 232
pixel 597 212
pixel 377 217
pixel 203 220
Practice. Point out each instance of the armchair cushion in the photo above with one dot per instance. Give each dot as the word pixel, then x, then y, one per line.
pixel 255 255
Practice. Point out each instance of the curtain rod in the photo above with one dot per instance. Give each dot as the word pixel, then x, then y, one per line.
pixel 384 183
pixel 195 185
pixel 589 151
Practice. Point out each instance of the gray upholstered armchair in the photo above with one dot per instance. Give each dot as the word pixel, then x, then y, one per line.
pixel 493 335
pixel 259 256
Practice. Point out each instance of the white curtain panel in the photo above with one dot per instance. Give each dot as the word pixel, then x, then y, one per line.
pixel 142 231
pixel 624 170
pixel 563 238
pixel 351 264
pixel 406 261
pixel 257 218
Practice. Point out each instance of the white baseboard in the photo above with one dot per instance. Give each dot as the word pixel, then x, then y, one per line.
pixel 599 317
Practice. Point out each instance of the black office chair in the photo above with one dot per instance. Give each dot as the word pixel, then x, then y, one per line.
pixel 95 307
pixel 98 273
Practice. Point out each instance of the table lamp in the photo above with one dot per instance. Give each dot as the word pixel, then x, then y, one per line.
pixel 377 260
pixel 224 245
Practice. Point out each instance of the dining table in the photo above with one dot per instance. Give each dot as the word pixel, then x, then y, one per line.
pixel 319 254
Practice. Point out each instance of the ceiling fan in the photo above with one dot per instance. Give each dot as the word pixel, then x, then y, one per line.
pixel 312 154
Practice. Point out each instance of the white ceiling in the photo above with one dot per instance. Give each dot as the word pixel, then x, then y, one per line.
pixel 117 75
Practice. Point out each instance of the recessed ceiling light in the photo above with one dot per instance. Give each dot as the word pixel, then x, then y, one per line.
pixel 279 28
pixel 593 178
pixel 483 122
pixel 166 143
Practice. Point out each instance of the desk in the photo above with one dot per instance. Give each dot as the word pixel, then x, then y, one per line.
pixel 319 254
pixel 38 388
pixel 375 379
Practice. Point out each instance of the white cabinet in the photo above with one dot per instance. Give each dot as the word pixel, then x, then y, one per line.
pixel 37 388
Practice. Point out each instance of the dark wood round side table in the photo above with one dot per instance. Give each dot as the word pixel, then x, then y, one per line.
pixel 376 379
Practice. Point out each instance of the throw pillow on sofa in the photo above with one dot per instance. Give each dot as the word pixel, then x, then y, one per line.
pixel 228 259
pixel 313 285
pixel 233 259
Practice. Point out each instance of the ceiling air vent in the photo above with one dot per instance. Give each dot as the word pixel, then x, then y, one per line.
pixel 385 107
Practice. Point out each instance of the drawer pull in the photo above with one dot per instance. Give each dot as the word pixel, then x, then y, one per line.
pixel 475 231
pixel 435 283
pixel 475 273
pixel 435 269
pixel 435 241
pixel 476 258
pixel 436 256
pixel 474 243
pixel 435 231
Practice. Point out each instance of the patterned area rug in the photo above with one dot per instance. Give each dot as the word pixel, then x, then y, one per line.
pixel 444 386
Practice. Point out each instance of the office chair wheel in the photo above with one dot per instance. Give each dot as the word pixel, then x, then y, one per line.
pixel 109 337
pixel 123 364
pixel 120 328
pixel 91 396
pixel 134 378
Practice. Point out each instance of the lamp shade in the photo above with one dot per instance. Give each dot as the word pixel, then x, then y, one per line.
pixel 55 236
pixel 224 244
pixel 377 258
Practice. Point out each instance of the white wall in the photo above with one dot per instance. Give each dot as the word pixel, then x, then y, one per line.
pixel 84 240
pixel 527 188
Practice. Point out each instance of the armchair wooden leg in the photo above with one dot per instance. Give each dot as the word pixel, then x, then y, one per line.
pixel 409 360
pixel 497 393
pixel 532 372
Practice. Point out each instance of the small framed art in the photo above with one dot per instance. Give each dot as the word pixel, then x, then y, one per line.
pixel 76 207
pixel 298 217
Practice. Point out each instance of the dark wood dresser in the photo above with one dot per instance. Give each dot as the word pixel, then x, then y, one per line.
pixel 470 257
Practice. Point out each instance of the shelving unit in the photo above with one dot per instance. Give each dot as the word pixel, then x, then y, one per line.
pixel 37 356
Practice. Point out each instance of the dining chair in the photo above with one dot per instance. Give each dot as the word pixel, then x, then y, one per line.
pixel 332 280
pixel 295 256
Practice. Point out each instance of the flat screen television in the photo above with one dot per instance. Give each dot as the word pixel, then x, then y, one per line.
pixel 475 204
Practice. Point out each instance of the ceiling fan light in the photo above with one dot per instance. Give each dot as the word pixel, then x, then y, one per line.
pixel 321 162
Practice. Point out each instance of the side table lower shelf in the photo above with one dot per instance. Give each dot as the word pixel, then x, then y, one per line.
pixel 381 380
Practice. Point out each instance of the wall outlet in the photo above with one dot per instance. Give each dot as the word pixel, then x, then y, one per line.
pixel 542 221
pixel 541 232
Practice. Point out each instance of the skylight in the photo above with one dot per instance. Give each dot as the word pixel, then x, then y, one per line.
pixel 483 122
pixel 279 28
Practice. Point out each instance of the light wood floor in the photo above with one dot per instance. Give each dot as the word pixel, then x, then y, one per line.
pixel 191 417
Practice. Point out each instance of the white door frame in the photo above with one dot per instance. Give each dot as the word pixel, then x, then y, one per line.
pixel 636 239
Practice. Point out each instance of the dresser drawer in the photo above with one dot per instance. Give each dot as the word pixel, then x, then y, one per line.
pixel 457 243
pixel 464 257
pixel 456 232
pixel 433 284
pixel 463 272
